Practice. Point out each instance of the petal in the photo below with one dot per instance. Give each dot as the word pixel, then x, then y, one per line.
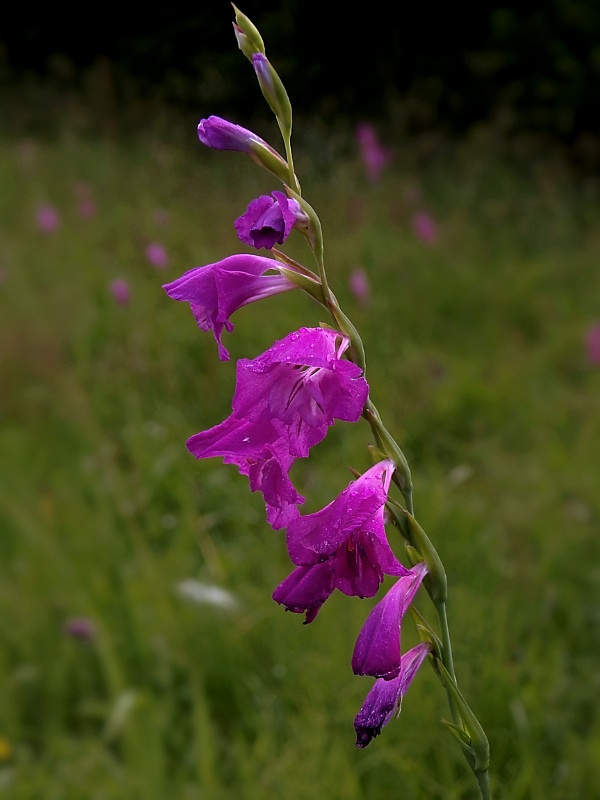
pixel 315 536
pixel 377 649
pixel 305 590
pixel 384 700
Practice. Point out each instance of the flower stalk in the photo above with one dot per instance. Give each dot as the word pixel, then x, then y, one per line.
pixel 285 401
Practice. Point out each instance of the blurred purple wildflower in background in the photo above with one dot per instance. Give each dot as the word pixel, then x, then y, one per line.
pixel 119 288
pixel 80 628
pixel 384 700
pixel 86 205
pixel 375 156
pixel 47 218
pixel 216 291
pixel 592 343
pixel 269 220
pixel 157 255
pixel 359 286
pixel 425 227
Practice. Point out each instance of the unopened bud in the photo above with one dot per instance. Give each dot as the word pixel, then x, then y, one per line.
pixel 247 35
pixel 274 92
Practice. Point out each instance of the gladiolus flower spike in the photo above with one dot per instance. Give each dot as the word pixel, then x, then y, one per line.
pixel 284 403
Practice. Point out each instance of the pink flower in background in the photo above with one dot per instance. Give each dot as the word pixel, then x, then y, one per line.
pixel 86 205
pixel 375 156
pixel 157 255
pixel 592 341
pixel 425 227
pixel 359 285
pixel 47 219
pixel 119 288
pixel 80 628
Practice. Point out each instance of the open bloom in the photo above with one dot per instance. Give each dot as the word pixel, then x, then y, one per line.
pixel 377 649
pixel 284 402
pixel 343 546
pixel 216 290
pixel 269 220
pixel 304 383
pixel 384 700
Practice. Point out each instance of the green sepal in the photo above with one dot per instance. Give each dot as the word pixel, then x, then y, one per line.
pixel 310 285
pixel 426 632
pixel 472 734
pixel 402 477
pixel 269 158
pixel 251 33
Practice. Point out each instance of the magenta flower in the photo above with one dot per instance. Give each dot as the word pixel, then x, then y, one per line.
pixel 284 402
pixel 304 384
pixel 349 537
pixel 377 649
pixel 217 290
pixel 157 255
pixel 269 220
pixel 47 219
pixel 384 700
pixel 425 227
pixel 119 288
pixel 592 341
pixel 375 156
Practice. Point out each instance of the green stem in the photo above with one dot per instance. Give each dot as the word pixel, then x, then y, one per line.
pixel 483 779
pixel 446 654
pixel 290 160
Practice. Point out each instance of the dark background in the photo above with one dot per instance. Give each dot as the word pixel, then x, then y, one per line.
pixel 524 66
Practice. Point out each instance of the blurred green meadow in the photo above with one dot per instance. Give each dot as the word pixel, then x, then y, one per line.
pixel 476 358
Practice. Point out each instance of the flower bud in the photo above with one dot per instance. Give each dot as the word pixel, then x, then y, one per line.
pixel 274 92
pixel 247 35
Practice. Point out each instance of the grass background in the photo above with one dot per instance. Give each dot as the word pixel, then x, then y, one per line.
pixel 476 360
